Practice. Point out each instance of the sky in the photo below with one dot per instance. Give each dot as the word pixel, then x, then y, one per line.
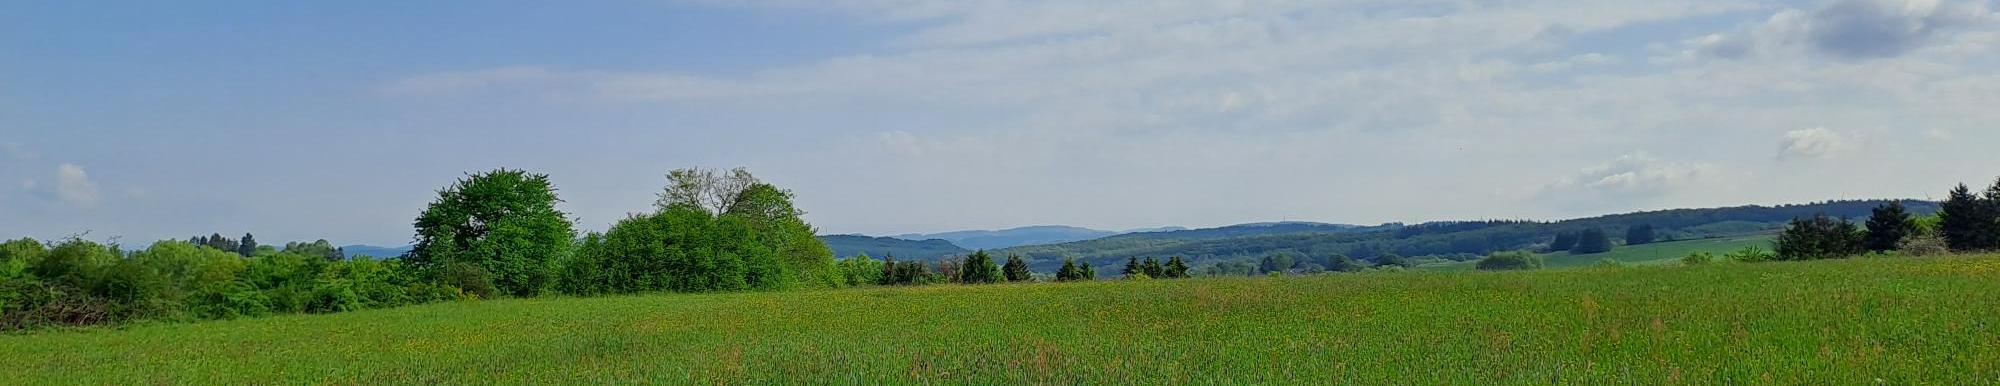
pixel 142 121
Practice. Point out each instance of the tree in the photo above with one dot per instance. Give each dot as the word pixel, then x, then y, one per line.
pixel 1887 227
pixel 247 247
pixel 1590 241
pixel 1342 263
pixel 1132 267
pixel 503 222
pixel 1152 268
pixel 705 189
pixel 1088 272
pixel 1969 222
pixel 769 211
pixel 979 269
pixel 1564 241
pixel 1639 234
pixel 1176 268
pixel 1017 269
pixel 1069 271
pixel 1819 237
pixel 1511 261
pixel 1277 262
pixel 1394 260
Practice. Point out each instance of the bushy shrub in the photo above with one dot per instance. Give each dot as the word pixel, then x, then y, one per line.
pixel 1509 261
pixel 1751 255
pixel 1924 244
pixel 228 300
pixel 1698 258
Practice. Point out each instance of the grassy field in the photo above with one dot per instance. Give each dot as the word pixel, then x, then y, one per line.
pixel 1663 253
pixel 1859 321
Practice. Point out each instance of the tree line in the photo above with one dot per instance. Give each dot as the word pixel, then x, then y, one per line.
pixel 1965 222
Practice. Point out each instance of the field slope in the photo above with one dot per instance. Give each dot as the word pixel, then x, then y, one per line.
pixel 1904 321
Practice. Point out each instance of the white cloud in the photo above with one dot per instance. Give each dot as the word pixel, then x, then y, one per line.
pixel 1635 176
pixel 1814 143
pixel 74 187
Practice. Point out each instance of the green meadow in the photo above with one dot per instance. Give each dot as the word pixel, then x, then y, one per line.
pixel 1853 321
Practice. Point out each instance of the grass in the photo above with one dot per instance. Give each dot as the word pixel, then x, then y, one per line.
pixel 1661 253
pixel 1895 321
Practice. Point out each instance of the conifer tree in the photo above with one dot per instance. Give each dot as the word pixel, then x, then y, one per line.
pixel 1132 267
pixel 979 269
pixel 1969 222
pixel 1820 237
pixel 1152 268
pixel 1176 268
pixel 1088 272
pixel 1069 271
pixel 1017 269
pixel 1887 227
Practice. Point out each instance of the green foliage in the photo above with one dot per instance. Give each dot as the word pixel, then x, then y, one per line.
pixel 1342 263
pixel 504 223
pixel 1819 237
pixel 1591 241
pixel 1016 269
pixel 1504 261
pixel 1176 268
pixel 1751 255
pixel 1563 243
pixel 1698 258
pixel 908 273
pixel 1887 227
pixel 1069 271
pixel 979 269
pixel 1971 222
pixel 1393 260
pixel 1153 268
pixel 862 270
pixel 1641 234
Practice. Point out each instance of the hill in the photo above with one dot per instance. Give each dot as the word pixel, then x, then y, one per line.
pixel 1034 235
pixel 1715 324
pixel 1457 240
pixel 845 246
pixel 375 251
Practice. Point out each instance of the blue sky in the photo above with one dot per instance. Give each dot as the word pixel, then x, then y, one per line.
pixel 339 120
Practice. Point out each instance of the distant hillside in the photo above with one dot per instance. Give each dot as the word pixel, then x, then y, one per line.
pixel 1452 240
pixel 845 246
pixel 1034 235
pixel 375 251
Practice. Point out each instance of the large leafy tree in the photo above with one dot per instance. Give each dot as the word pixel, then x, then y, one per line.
pixel 503 222
pixel 247 247
pixel 769 212
pixel 1639 234
pixel 1564 241
pixel 1887 227
pixel 1590 241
